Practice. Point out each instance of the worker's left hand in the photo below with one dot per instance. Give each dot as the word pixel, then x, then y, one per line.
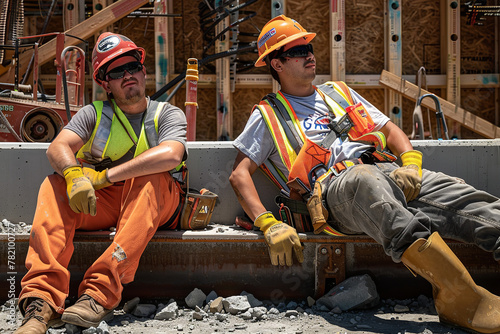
pixel 281 239
pixel 99 179
pixel 409 176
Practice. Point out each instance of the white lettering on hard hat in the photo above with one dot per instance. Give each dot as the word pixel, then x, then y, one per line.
pixel 266 36
pixel 108 43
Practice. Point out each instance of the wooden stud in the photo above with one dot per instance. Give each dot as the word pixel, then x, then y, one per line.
pixel 393 61
pixel 73 14
pixel 337 40
pixel 164 64
pixel 223 84
pixel 497 69
pixel 451 37
pixel 98 93
pixel 277 9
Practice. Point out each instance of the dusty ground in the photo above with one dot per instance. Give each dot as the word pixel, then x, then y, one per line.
pixel 382 319
pixel 388 317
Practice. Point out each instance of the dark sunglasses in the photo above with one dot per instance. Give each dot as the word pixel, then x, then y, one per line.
pixel 298 51
pixel 119 72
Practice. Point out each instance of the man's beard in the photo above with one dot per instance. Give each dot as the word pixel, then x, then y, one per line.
pixel 133 95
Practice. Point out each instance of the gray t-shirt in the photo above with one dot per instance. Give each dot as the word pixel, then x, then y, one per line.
pixel 257 143
pixel 171 126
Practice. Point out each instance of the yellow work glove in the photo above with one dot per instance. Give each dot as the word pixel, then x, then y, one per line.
pixel 81 193
pixel 409 176
pixel 281 239
pixel 99 179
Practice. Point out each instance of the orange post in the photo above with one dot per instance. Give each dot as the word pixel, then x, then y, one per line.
pixel 191 97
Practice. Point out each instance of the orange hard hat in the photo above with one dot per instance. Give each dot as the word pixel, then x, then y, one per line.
pixel 278 32
pixel 110 46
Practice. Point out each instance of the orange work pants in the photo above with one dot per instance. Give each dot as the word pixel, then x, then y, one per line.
pixel 137 207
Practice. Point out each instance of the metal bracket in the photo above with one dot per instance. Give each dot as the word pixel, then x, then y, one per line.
pixel 330 263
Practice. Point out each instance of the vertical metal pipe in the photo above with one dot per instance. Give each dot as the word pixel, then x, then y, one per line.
pixel 191 97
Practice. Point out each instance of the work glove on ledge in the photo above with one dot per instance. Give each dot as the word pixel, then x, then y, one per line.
pixel 408 177
pixel 80 191
pixel 281 239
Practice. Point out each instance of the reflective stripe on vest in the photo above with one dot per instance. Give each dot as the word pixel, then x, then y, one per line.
pixel 282 143
pixel 100 146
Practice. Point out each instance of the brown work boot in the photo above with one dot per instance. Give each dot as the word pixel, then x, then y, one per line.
pixel 86 312
pixel 458 300
pixel 38 317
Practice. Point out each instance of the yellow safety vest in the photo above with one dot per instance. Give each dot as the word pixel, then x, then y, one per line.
pixel 110 138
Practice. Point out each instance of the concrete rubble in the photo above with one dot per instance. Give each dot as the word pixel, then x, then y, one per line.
pixel 353 293
pixel 342 305
pixel 339 305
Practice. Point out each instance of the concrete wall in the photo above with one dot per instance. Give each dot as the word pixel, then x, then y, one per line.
pixel 23 166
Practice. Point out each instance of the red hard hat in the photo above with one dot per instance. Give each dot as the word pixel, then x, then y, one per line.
pixel 110 46
pixel 276 33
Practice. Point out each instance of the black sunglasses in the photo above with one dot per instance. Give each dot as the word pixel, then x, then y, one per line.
pixel 297 51
pixel 119 72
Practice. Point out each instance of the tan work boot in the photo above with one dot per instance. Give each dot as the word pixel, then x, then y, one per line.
pixel 86 312
pixel 38 317
pixel 458 300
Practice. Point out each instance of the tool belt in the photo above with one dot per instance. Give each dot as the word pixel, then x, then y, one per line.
pixel 305 209
pixel 197 206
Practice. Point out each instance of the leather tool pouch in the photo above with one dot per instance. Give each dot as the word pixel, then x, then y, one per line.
pixel 197 209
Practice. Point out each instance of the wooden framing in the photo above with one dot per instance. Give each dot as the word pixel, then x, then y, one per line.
pixel 164 46
pixel 223 84
pixel 73 13
pixel 83 30
pixel 278 7
pixel 451 38
pixel 451 84
pixel 337 40
pixel 393 58
pixel 450 110
pixel 98 93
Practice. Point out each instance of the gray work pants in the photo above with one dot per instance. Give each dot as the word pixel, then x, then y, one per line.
pixel 365 200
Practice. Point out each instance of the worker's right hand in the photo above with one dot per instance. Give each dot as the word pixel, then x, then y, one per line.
pixel 281 239
pixel 81 193
pixel 99 179
pixel 409 176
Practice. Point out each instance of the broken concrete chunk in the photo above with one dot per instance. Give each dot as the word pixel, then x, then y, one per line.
pixel 401 308
pixel 171 311
pixel 144 310
pixel 246 315
pixel 355 292
pixel 236 304
pixel 211 296
pixel 130 306
pixel 195 298
pixel 216 305
pixel 254 302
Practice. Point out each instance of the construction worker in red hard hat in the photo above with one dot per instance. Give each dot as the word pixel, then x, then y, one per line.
pixel 130 147
pixel 332 154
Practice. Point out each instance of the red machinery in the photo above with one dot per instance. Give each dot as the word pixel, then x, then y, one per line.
pixel 23 118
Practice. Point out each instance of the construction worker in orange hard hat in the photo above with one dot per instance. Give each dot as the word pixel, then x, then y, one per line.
pixel 115 164
pixel 333 156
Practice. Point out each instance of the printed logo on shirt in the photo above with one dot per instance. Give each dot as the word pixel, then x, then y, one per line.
pixel 315 122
